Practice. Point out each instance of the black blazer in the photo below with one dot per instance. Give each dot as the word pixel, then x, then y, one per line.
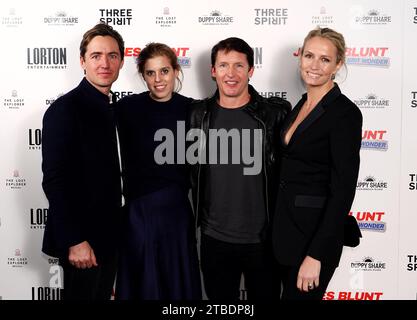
pixel 81 173
pixel 318 176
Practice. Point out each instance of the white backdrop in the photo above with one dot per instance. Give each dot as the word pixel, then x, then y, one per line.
pixel 40 61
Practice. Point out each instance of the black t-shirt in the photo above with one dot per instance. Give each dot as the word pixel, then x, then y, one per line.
pixel 234 203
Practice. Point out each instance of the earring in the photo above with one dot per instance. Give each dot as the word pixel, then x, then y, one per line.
pixel 333 76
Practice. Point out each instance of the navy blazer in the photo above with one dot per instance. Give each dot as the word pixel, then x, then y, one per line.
pixel 81 173
pixel 318 176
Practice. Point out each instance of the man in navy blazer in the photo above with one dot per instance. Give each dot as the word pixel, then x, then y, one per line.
pixel 81 172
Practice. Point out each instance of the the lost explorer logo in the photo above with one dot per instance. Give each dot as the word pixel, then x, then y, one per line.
pixel 14 100
pixel 16 182
pixel 166 19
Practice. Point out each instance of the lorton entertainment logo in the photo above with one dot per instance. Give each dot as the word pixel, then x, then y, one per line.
pixel 47 293
pixel 46 58
pixel 258 56
pixel 166 19
pixel 34 139
pixel 38 217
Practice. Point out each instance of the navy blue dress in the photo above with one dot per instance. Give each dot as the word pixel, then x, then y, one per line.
pixel 158 256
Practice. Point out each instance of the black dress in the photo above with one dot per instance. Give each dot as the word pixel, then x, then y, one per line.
pixel 158 256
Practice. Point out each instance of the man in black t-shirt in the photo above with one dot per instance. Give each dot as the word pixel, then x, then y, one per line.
pixel 234 183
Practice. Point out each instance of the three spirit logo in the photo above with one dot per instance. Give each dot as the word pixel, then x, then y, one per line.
pixel 278 94
pixel 412 185
pixel 412 262
pixel 117 17
pixel 276 16
pixel 122 94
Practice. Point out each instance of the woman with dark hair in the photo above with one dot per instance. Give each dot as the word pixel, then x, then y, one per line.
pixel 320 142
pixel 158 251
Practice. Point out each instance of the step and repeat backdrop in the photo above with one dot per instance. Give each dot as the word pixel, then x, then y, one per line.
pixel 40 61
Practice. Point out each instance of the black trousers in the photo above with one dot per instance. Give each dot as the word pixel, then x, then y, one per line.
pixel 289 283
pixel 223 264
pixel 95 283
